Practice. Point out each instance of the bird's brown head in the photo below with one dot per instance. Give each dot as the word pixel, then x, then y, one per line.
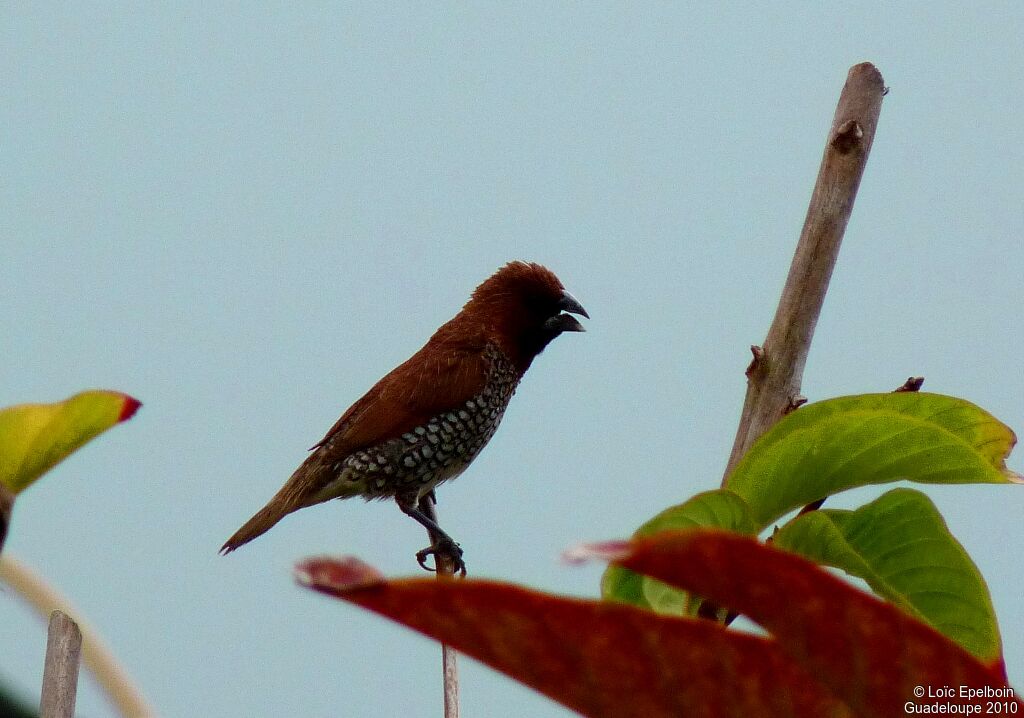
pixel 525 307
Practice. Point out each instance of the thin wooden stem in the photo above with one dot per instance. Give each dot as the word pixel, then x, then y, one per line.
pixel 449 657
pixel 60 673
pixel 99 659
pixel 776 372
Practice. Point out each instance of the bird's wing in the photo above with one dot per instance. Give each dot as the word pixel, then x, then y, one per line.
pixel 438 378
pixel 433 381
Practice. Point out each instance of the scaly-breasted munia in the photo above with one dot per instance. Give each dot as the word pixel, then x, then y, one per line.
pixel 427 420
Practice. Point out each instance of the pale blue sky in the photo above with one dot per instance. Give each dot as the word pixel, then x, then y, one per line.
pixel 244 215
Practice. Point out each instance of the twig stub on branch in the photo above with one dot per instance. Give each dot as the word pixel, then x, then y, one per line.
pixel 756 362
pixel 847 137
pixel 913 383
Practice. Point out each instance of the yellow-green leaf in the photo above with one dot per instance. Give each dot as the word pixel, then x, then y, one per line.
pixel 35 437
pixel 834 445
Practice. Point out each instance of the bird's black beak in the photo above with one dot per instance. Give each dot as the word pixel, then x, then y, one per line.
pixel 566 322
pixel 569 304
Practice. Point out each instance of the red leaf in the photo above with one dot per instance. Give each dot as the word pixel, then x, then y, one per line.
pixel 868 652
pixel 601 659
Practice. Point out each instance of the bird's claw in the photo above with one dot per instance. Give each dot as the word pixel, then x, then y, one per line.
pixel 448 548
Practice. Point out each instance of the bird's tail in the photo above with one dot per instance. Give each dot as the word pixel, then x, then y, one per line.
pixel 258 525
pixel 294 495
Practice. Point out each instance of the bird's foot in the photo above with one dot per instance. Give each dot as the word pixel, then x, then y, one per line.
pixel 447 548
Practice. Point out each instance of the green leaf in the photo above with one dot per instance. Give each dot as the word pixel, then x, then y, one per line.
pixel 715 509
pixel 834 445
pixel 622 585
pixel 35 437
pixel 900 545
pixel 719 508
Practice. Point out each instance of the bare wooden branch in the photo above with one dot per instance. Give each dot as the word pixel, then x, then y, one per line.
pixel 98 658
pixel 60 674
pixel 450 668
pixel 776 372
pixel 449 657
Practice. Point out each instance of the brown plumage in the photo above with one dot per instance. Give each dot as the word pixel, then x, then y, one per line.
pixel 425 421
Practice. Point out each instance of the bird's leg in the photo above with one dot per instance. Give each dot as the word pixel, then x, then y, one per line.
pixel 442 542
pixel 427 504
